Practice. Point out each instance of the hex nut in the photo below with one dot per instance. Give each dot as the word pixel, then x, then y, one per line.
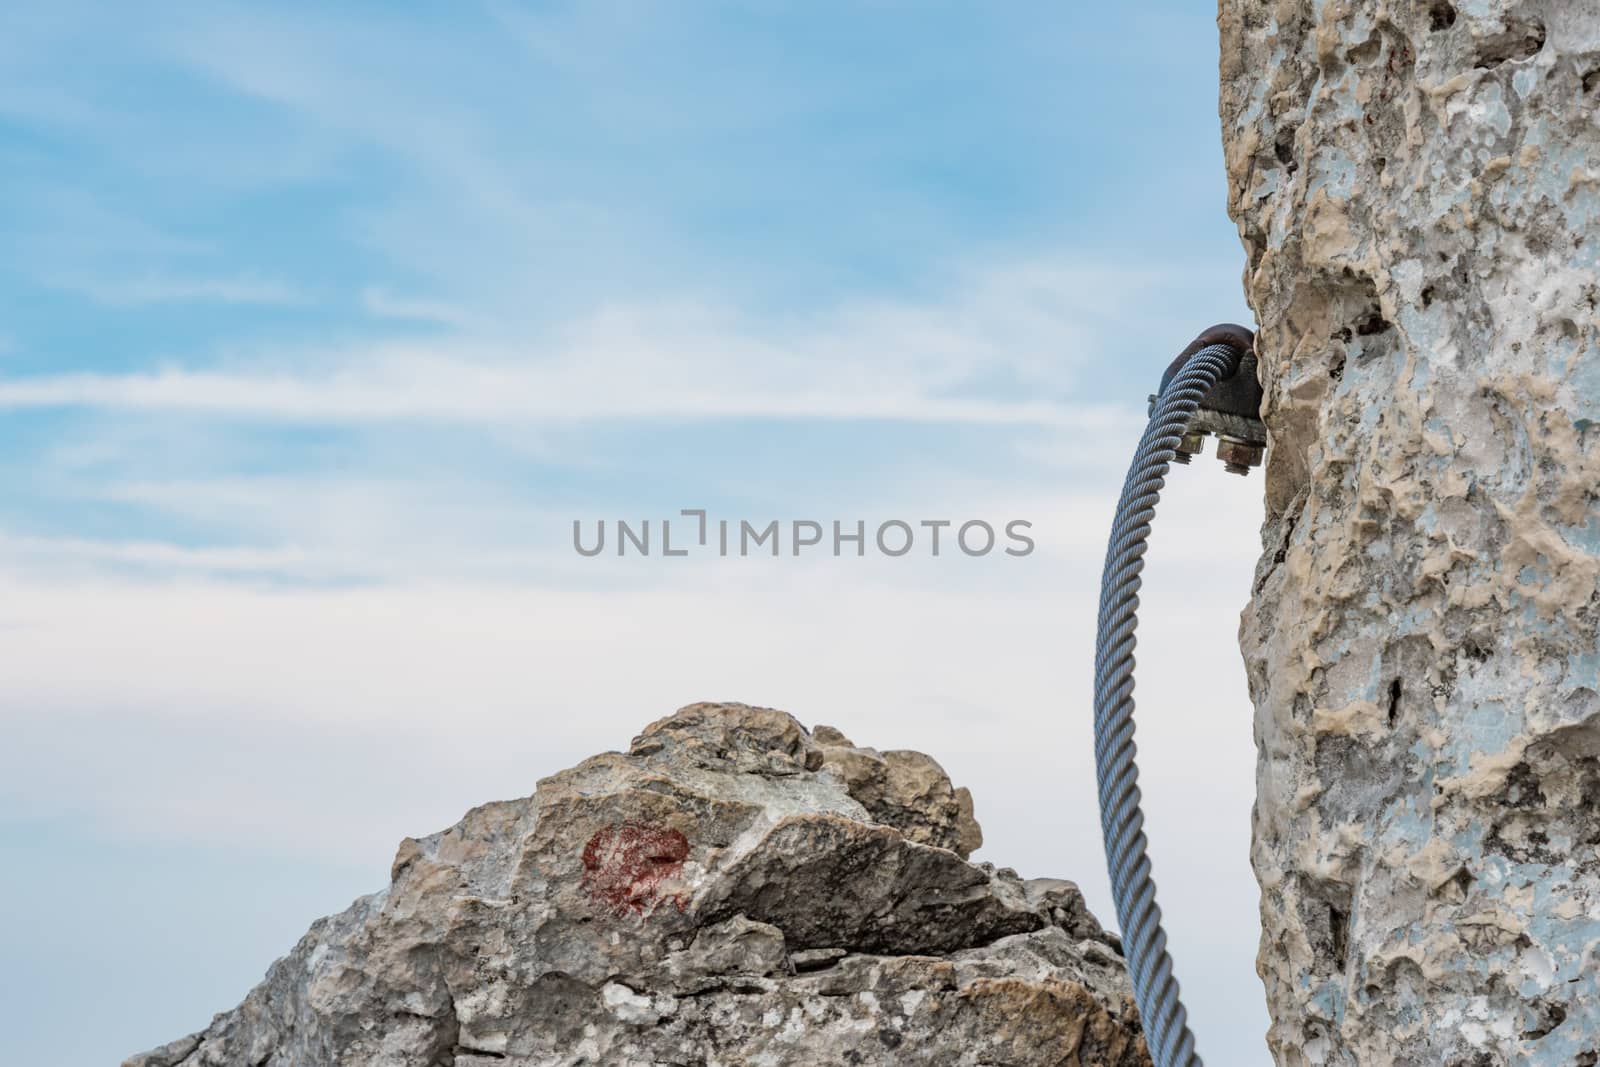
pixel 1190 444
pixel 1238 455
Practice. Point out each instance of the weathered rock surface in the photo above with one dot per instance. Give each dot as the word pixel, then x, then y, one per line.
pixel 1417 185
pixel 733 890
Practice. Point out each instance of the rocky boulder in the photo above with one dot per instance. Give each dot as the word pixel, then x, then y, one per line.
pixel 732 890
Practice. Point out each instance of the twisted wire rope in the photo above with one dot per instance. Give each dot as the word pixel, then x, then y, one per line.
pixel 1121 820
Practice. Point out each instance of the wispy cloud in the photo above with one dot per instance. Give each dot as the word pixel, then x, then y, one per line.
pixel 395 654
pixel 381 304
pixel 489 392
pixel 155 289
pixel 74 554
pixel 1005 347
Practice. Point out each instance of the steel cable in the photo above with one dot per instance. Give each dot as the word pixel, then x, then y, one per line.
pixel 1121 821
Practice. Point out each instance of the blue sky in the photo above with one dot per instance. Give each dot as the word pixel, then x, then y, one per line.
pixel 322 325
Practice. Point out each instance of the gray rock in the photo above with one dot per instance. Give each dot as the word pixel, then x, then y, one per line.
pixel 733 890
pixel 906 790
pixel 1417 185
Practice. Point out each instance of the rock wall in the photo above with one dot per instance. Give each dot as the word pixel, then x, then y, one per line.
pixel 733 891
pixel 1417 187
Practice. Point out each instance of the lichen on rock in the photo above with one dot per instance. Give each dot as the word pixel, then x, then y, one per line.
pixel 733 890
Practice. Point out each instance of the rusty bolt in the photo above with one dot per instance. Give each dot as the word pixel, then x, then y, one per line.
pixel 1238 455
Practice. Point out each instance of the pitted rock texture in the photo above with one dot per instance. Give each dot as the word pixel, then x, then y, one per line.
pixel 734 890
pixel 1417 185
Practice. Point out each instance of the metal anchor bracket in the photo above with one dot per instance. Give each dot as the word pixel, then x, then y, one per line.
pixel 1231 410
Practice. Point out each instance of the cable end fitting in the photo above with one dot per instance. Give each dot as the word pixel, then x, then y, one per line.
pixel 1231 409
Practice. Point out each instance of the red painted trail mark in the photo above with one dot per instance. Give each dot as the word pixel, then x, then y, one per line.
pixel 624 867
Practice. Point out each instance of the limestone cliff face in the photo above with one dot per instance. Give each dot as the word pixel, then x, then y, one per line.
pixel 734 890
pixel 1417 185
